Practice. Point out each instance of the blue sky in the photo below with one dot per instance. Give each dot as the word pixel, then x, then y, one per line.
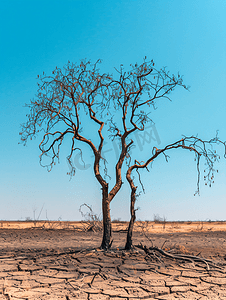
pixel 185 36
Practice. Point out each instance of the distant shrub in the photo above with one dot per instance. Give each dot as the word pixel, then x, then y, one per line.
pixel 158 219
pixel 116 220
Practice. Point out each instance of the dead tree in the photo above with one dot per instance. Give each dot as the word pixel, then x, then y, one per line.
pixel 199 147
pixel 66 96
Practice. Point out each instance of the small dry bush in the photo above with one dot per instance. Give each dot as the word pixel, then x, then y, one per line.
pixel 158 219
pixel 92 221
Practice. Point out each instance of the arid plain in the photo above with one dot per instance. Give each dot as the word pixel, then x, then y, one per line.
pixel 61 260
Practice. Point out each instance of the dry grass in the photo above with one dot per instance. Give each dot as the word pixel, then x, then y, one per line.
pixel 150 226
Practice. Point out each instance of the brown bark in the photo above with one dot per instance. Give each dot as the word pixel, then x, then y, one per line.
pixel 118 167
pixel 132 219
pixel 132 209
pixel 107 232
pixel 108 197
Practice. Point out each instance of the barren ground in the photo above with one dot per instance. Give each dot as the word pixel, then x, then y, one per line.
pixel 59 260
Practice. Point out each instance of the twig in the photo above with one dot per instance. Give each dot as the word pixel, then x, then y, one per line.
pixel 164 243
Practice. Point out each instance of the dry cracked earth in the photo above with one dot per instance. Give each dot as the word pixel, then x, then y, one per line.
pixel 63 264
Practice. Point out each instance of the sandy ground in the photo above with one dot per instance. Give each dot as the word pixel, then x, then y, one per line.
pixel 59 260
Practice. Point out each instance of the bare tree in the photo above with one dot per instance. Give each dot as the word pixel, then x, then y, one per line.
pixel 199 147
pixel 66 96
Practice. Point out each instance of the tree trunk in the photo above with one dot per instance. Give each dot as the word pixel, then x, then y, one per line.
pixel 107 237
pixel 132 219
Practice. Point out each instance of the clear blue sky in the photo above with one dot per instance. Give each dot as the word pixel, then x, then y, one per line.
pixel 186 36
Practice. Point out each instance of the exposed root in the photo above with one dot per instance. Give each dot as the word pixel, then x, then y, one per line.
pixel 151 252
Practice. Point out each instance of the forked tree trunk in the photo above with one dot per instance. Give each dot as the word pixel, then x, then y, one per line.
pixel 107 237
pixel 132 219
